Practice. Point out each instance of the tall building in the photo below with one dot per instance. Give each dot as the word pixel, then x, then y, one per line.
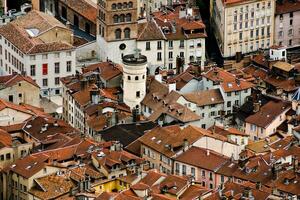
pixel 117 28
pixel 134 79
pixel 287 23
pixel 243 26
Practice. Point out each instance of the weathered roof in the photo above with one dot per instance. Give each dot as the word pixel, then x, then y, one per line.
pixel 205 97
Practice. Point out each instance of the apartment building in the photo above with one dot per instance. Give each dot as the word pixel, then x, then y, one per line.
pixel 234 90
pixel 287 23
pixel 39 46
pixel 173 38
pixel 243 26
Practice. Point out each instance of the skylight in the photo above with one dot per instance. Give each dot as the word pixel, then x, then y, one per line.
pixel 33 32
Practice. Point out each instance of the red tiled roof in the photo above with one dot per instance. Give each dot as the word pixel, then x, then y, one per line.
pixel 10 80
pixel 198 157
pixel 17 33
pixel 268 113
pixel 287 6
pixel 228 81
pixel 85 8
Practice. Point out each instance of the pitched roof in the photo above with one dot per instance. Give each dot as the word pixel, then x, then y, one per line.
pixel 205 97
pixel 228 81
pixel 24 33
pixel 268 113
pixel 283 66
pixel 287 6
pixel 198 157
pixel 161 102
pixel 149 31
pixel 6 139
pixel 10 80
pixel 85 8
pixel 170 139
pixel 181 79
pixel 28 109
pixel 126 133
pixel 107 70
pixel 225 131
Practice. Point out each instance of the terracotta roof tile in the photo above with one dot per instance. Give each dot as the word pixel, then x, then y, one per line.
pixel 287 7
pixel 107 70
pixel 205 97
pixel 268 113
pixel 16 32
pixel 85 8
pixel 228 81
pixel 10 80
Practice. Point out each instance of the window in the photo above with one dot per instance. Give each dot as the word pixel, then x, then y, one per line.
pixel 251 33
pixel 45 82
pixel 20 95
pixel 241 36
pixel 32 70
pixel 253 127
pixel 136 78
pixel 210 176
pixel 183 170
pixel 128 17
pixel 203 173
pixel 138 94
pixel 170 44
pixel 56 68
pixel 290 42
pixel 236 102
pixel 147 46
pixel 170 54
pixel 203 183
pixel 181 54
pixel 181 45
pixel 2 157
pixel 177 167
pixel 211 186
pixel 229 94
pixel 229 104
pixel 113 6
pixel 158 44
pixel 222 178
pixel 128 78
pixel 11 98
pixel 122 18
pixel 291 22
pixel 119 6
pixel 193 171
pixel 127 33
pixel 69 66
pixel 116 18
pixel 118 33
pixel 159 56
pixel 291 14
pixel 45 69
pixel 203 126
pixel 8 156
pixel 130 4
pixel 124 5
pixel 44 56
pixel 170 65
pixel 56 80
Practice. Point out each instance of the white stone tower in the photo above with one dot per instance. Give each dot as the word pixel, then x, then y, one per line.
pixel 134 79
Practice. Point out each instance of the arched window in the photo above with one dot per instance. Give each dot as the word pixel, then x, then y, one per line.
pixel 129 78
pixel 125 5
pixel 116 18
pixel 118 33
pixel 143 76
pixel 113 6
pixel 128 17
pixel 136 78
pixel 119 6
pixel 130 4
pixel 127 33
pixel 122 18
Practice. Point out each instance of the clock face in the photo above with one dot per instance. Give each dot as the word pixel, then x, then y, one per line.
pixel 122 46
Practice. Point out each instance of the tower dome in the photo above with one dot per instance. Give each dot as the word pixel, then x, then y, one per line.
pixel 134 78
